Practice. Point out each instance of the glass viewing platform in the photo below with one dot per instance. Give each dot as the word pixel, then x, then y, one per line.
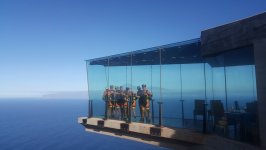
pixel 174 86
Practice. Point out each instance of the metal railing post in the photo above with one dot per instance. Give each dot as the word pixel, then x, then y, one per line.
pixel 91 108
pixel 204 126
pixel 106 110
pixel 129 110
pixel 152 111
pixel 182 111
pixel 160 113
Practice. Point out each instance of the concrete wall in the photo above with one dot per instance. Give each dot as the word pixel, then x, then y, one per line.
pixel 260 63
pixel 233 35
pixel 250 31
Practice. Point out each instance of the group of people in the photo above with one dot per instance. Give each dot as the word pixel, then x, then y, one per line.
pixel 119 102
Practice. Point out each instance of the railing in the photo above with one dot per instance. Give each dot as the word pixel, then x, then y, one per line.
pixel 234 124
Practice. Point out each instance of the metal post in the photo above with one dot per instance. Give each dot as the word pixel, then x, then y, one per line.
pixel 91 108
pixel 106 101
pixel 160 102
pixel 181 83
pixel 253 82
pixel 152 101
pixel 182 111
pixel 152 111
pixel 160 113
pixel 129 107
pixel 126 76
pixel 212 86
pixel 181 95
pixel 225 86
pixel 106 110
pixel 204 128
pixel 87 69
pixel 131 95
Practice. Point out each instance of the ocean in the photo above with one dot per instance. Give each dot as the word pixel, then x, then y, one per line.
pixel 39 124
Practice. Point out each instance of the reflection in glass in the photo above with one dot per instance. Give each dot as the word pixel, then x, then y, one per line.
pixel 184 81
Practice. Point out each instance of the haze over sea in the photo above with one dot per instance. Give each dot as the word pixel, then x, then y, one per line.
pixel 52 124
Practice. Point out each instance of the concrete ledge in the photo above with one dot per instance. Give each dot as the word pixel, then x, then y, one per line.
pixel 141 128
pixel 170 137
pixel 148 140
pixel 114 124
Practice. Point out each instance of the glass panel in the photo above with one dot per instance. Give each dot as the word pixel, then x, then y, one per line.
pixel 239 86
pixel 216 90
pixel 155 89
pixel 171 91
pixel 171 88
pixel 97 81
pixel 241 97
pixel 193 93
pixel 120 82
pixel 183 82
pixel 146 78
pixel 233 84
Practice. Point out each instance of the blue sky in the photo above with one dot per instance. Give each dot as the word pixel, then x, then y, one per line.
pixel 43 44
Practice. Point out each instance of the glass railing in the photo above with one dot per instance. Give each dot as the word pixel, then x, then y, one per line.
pixel 215 94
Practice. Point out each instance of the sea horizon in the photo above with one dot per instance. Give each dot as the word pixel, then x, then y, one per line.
pixel 52 124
